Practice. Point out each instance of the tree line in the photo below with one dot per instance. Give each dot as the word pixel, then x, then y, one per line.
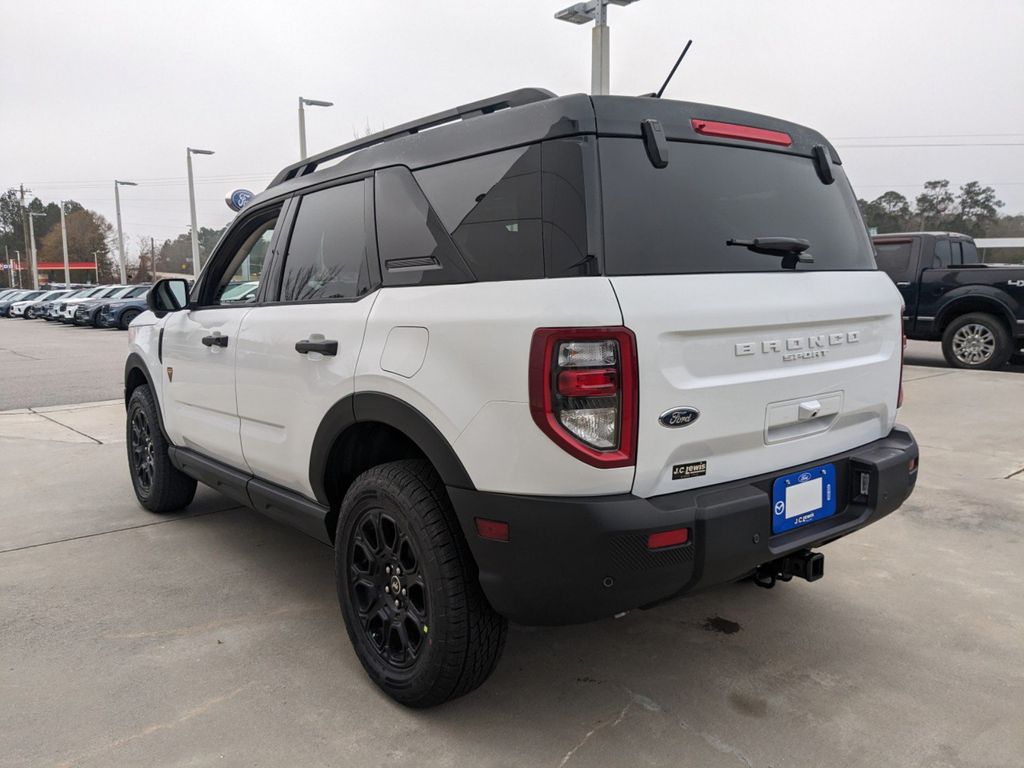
pixel 90 238
pixel 972 210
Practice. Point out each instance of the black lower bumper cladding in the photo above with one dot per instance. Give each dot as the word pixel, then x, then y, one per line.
pixel 574 559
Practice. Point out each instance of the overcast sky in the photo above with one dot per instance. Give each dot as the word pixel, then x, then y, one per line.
pixel 97 90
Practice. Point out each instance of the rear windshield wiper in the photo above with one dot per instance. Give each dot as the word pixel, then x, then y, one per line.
pixel 791 249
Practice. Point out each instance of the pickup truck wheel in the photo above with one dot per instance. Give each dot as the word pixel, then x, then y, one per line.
pixel 408 588
pixel 159 485
pixel 978 341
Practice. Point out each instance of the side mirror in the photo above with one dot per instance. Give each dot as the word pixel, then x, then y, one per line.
pixel 170 295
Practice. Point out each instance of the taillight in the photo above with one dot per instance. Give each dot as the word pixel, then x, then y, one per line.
pixel 583 392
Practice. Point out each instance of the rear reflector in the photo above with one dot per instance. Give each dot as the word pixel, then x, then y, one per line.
pixel 744 132
pixel 668 538
pixel 912 467
pixel 495 530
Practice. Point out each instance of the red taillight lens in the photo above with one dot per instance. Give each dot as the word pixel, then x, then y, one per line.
pixel 583 392
pixel 743 132
pixel 671 538
pixel 587 382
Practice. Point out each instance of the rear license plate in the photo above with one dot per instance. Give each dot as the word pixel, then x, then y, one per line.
pixel 803 497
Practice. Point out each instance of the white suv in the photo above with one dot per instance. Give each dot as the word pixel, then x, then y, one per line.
pixel 555 359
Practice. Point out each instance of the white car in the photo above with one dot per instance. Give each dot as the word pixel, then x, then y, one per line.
pixel 19 307
pixel 549 361
pixel 66 309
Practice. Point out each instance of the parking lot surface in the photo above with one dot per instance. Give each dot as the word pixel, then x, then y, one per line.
pixel 49 363
pixel 214 637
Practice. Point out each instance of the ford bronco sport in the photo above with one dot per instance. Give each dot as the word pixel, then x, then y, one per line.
pixel 548 361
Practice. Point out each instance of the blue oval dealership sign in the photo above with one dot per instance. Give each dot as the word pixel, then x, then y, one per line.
pixel 238 199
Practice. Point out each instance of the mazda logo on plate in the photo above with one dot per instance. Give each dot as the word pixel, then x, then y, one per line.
pixel 679 417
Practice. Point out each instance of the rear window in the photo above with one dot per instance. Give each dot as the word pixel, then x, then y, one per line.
pixel 676 220
pixel 894 258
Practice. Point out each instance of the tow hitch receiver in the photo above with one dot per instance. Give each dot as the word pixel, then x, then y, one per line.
pixel 803 564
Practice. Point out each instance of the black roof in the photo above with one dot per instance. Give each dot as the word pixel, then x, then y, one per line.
pixel 524 117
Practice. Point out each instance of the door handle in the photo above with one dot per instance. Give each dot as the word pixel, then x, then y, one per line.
pixel 215 340
pixel 903 284
pixel 324 346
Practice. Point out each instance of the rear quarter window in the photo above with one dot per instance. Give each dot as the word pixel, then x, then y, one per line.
pixel 677 219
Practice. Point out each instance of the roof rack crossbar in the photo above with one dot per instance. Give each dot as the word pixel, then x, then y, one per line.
pixel 508 100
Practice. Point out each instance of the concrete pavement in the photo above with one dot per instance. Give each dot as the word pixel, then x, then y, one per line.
pixel 214 638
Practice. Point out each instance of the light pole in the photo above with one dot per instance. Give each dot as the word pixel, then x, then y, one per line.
pixel 33 254
pixel 192 206
pixel 120 231
pixel 302 121
pixel 596 11
pixel 64 243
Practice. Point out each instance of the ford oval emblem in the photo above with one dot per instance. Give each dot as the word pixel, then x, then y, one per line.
pixel 679 417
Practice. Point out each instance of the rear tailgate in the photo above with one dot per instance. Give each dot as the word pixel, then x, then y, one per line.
pixel 783 369
pixel 740 261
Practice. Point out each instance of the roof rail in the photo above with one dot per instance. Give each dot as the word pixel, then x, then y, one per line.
pixel 508 100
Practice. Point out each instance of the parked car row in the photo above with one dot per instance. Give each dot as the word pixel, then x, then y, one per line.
pixel 99 306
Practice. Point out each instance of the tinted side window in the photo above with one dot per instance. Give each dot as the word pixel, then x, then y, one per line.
pixel 970 253
pixel 326 256
pixel 491 206
pixel 957 258
pixel 570 188
pixel 943 254
pixel 894 259
pixel 414 245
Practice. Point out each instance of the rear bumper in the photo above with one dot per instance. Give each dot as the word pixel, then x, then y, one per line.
pixel 575 559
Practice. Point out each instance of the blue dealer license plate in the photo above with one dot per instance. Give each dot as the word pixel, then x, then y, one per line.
pixel 803 497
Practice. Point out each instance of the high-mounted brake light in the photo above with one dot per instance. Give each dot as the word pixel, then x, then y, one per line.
pixel 743 132
pixel 583 392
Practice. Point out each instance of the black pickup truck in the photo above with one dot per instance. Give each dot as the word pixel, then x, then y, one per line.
pixel 975 309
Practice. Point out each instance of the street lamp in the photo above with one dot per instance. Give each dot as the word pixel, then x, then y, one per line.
pixel 596 11
pixel 64 243
pixel 302 121
pixel 33 254
pixel 120 231
pixel 192 206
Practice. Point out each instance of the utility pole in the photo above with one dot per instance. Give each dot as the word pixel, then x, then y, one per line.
pixel 152 261
pixel 24 231
pixel 10 268
pixel 21 279
pixel 64 242
pixel 96 263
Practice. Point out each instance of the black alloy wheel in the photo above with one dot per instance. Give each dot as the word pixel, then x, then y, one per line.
pixel 387 588
pixel 159 485
pixel 409 589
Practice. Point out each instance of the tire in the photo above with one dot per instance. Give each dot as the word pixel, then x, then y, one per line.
pixel 126 318
pixel 158 485
pixel 443 640
pixel 29 314
pixel 976 341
